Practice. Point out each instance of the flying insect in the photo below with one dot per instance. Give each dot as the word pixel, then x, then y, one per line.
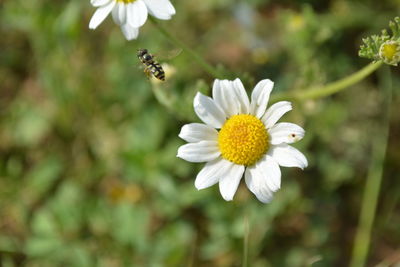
pixel 151 66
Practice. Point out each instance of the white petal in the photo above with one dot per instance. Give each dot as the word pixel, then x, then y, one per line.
pixel 98 3
pixel 242 97
pixel 260 97
pixel 229 183
pixel 271 172
pixel 129 32
pixel 275 112
pixel 196 132
pixel 285 132
pixel 100 14
pixel 199 152
pixel 161 9
pixel 288 156
pixel 225 96
pixel 255 181
pixel 208 111
pixel 119 13
pixel 264 178
pixel 137 13
pixel 217 93
pixel 212 172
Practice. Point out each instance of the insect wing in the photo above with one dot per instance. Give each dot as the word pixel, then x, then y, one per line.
pixel 168 55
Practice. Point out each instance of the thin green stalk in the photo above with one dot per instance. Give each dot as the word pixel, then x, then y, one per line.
pixel 207 67
pixel 331 88
pixel 246 240
pixel 372 188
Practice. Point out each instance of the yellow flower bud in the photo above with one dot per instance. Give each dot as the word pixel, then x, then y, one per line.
pixel 389 52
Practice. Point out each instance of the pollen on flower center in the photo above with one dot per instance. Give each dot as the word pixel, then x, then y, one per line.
pixel 389 50
pixel 243 139
pixel 126 1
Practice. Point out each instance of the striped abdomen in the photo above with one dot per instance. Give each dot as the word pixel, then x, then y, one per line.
pixel 157 70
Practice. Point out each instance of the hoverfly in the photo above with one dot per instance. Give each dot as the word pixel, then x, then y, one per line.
pixel 151 66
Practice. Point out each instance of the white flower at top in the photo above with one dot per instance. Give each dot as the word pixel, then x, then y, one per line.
pixel 249 140
pixel 130 15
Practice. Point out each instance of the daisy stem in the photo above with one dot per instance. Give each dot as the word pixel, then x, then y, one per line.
pixel 246 240
pixel 331 88
pixel 206 66
pixel 373 183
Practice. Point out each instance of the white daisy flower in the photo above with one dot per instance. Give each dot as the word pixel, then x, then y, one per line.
pixel 249 140
pixel 130 15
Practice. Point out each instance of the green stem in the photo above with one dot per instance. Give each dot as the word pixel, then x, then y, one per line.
pixel 331 88
pixel 372 188
pixel 246 240
pixel 207 67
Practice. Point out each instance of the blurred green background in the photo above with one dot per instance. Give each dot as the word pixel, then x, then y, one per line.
pixel 88 173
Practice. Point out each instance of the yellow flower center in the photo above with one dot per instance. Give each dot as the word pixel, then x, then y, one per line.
pixel 243 139
pixel 126 1
pixel 389 50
